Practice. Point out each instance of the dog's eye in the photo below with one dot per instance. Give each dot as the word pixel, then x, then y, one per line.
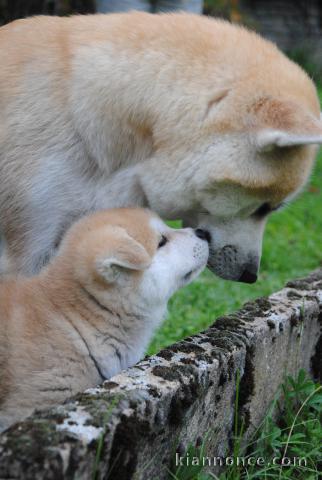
pixel 263 210
pixel 266 208
pixel 163 241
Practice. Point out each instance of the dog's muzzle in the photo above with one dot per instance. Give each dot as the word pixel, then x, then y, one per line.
pixel 248 275
pixel 230 264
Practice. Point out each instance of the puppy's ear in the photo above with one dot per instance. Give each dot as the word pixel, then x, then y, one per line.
pixel 285 124
pixel 127 255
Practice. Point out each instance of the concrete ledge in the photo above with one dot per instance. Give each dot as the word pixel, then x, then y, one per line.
pixel 132 425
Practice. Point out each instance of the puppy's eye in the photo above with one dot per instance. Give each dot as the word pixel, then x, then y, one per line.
pixel 163 241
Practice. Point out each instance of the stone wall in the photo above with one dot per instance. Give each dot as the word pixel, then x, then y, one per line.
pixel 132 425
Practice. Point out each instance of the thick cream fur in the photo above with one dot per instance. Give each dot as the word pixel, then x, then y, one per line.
pixel 191 116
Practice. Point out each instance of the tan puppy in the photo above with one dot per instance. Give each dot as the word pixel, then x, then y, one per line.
pixel 196 118
pixel 93 310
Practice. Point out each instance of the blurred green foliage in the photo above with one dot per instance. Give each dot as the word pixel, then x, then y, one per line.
pixel 13 9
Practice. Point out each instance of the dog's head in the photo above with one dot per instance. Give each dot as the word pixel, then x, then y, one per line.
pixel 267 163
pixel 133 255
pixel 249 151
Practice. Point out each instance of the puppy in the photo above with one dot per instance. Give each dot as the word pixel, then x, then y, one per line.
pixel 93 310
pixel 190 116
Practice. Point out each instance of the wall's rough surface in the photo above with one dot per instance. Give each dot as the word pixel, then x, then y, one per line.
pixel 131 426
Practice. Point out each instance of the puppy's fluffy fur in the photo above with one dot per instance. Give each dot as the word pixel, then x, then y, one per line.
pixel 92 311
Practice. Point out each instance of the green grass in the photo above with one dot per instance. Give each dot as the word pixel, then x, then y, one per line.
pixel 291 430
pixel 292 248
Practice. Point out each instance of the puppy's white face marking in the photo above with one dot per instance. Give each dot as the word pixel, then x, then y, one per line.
pixel 179 258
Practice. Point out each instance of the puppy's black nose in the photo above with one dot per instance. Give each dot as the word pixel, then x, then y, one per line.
pixel 203 234
pixel 248 277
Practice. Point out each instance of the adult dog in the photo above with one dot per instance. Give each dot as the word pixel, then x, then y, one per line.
pixel 193 117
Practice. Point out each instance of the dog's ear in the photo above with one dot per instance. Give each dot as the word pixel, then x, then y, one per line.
pixel 267 140
pixel 285 124
pixel 127 254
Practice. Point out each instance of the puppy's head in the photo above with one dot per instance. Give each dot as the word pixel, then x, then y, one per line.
pixel 131 253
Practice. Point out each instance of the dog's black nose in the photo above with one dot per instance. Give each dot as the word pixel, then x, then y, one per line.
pixel 248 277
pixel 203 234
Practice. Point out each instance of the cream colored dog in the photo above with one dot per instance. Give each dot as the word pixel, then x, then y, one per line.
pixel 93 310
pixel 196 118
